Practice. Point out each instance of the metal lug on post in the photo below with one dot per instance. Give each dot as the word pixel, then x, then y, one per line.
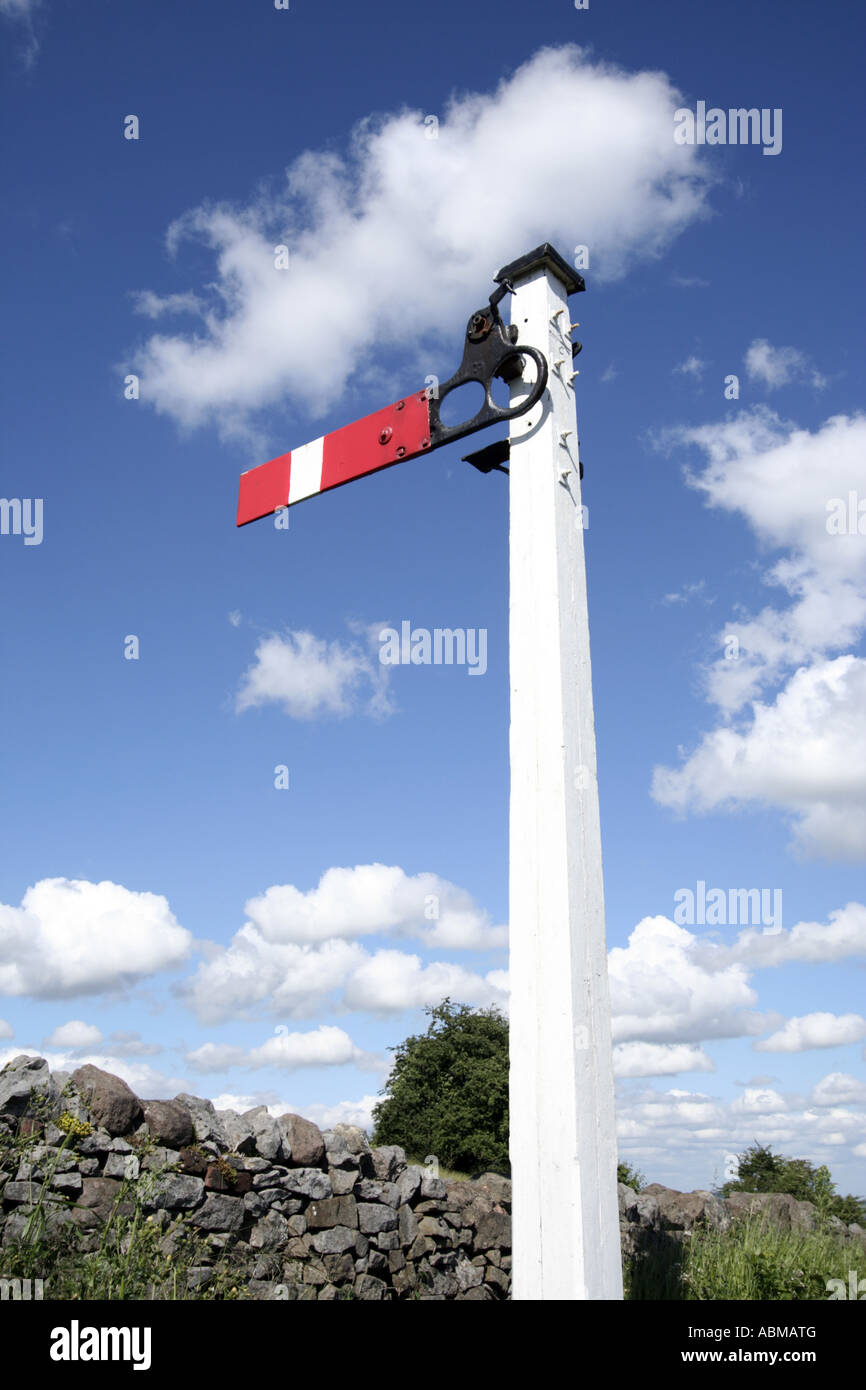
pixel 572 326
pixel 555 315
pixel 571 378
pixel 563 435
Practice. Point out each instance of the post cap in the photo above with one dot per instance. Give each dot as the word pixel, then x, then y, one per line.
pixel 548 257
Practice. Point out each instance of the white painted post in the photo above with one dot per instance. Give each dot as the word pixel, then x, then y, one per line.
pixel 563 1139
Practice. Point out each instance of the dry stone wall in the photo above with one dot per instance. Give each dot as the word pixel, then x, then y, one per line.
pixel 292 1211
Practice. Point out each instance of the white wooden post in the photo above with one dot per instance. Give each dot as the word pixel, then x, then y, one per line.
pixel 563 1138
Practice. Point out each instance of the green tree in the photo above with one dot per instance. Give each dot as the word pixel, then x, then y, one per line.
pixel 448 1091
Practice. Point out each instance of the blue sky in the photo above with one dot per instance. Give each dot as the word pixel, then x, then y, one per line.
pixel 165 910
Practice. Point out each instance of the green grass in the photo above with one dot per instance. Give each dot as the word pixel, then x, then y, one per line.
pixel 752 1260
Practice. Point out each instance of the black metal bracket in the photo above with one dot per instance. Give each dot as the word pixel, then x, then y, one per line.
pixel 490 350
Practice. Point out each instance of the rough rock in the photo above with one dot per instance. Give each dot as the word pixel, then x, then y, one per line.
pixel 303 1145
pixel 169 1122
pixel 112 1105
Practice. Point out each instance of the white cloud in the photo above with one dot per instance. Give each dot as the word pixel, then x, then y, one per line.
pixel 371 899
pixel 842 937
pixel 763 1101
pixel 408 221
pixel 75 1035
pixel 781 480
pixel 774 367
pixel 814 1030
pixel 838 1088
pixel 19 9
pixel 692 366
pixel 296 951
pixel 254 973
pixel 6 1029
pixel 310 677
pixel 124 1044
pixel 391 981
pixel 72 937
pixel 658 1059
pixel 325 1046
pixel 805 754
pixel 663 990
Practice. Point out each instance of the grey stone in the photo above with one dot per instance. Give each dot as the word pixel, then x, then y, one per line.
pixel 389 1162
pixel 340 1268
pixel 373 1218
pixel 22 1077
pixel 69 1184
pixel 175 1192
pixel 343 1180
pixel 407 1225
pixel 169 1122
pixel 158 1158
pixel 303 1144
pixel 257 1165
pixel 197 1276
pixel 121 1166
pixel 99 1142
pixel 268 1136
pixel 468 1276
pixel 433 1188
pixel 776 1208
pixel 219 1213
pixel 370 1289
pixel 239 1133
pixel 336 1240
pixel 111 1104
pixel 205 1123
pixel 332 1211
pixel 388 1240
pixel 270 1232
pixel 409 1184
pixel 27 1193
pixel 308 1182
pixel 494 1230
pixel 271 1177
pixel 254 1205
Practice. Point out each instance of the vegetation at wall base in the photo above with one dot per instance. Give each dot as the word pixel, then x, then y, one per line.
pixel 752 1260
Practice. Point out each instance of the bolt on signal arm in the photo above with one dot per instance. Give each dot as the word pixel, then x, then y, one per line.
pixel 404 430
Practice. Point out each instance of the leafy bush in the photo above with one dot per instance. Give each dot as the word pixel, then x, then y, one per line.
pixel 448 1092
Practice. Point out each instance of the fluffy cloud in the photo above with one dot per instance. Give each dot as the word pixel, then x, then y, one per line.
pixel 296 950
pixel 72 937
pixel 774 367
pixel 6 1029
pixel 322 1047
pixel 792 488
pixel 805 753
pixel 663 991
pixel 838 1088
pixel 391 981
pixel 371 899
pixel 309 677
pixel 75 1035
pixel 782 480
pixel 405 220
pixel 658 1059
pixel 814 1030
pixel 842 937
